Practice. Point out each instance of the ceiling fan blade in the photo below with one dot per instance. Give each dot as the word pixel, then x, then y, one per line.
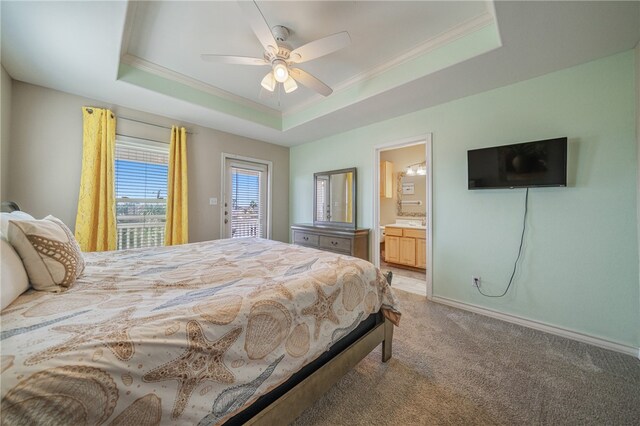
pixel 258 24
pixel 310 81
pixel 237 60
pixel 320 47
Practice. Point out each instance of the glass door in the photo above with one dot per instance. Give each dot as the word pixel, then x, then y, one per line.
pixel 245 199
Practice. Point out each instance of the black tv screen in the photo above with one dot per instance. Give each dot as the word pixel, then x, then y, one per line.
pixel 523 165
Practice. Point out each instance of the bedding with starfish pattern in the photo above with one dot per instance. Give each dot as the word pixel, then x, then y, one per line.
pixel 188 334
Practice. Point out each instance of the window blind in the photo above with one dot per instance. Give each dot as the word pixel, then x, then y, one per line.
pixel 141 171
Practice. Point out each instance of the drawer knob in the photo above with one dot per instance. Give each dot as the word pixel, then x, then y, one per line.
pixel 334 243
pixel 305 238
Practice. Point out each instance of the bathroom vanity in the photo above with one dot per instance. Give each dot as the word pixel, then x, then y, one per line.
pixel 406 244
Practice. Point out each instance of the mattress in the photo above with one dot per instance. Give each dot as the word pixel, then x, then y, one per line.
pixel 185 334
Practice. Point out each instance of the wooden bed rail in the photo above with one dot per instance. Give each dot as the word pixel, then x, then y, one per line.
pixel 289 406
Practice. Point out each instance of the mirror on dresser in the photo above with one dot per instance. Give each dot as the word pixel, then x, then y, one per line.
pixel 334 202
pixel 334 216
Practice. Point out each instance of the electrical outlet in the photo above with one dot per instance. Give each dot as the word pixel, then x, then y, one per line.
pixel 475 281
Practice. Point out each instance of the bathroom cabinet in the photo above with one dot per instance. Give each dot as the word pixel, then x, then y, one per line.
pixel 386 179
pixel 406 246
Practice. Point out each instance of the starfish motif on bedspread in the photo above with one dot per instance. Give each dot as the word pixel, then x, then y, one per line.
pixel 112 333
pixel 269 266
pixel 218 263
pixel 322 308
pixel 342 262
pixel 276 286
pixel 189 284
pixel 203 360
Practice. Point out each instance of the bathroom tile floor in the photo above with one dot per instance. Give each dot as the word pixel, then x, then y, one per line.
pixel 405 279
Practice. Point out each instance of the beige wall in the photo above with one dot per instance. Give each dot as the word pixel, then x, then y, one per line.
pixel 401 159
pixel 5 134
pixel 46 156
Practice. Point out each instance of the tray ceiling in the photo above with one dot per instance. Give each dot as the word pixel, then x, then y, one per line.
pixel 170 36
pixel 404 56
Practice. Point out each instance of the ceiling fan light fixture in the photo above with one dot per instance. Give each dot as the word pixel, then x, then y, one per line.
pixel 269 82
pixel 289 85
pixel 280 70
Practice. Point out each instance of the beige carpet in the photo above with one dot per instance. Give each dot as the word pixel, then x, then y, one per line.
pixel 451 367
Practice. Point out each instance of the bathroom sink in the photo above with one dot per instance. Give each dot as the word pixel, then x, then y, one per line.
pixel 400 225
pixel 408 223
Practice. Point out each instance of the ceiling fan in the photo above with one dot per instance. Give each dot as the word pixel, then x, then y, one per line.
pixel 279 55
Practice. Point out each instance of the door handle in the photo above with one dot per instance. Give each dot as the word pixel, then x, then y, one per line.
pixel 226 221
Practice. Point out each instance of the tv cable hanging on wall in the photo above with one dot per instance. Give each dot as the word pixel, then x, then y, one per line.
pixel 515 264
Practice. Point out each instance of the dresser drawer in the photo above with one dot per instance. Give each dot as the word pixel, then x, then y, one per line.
pixel 335 243
pixel 353 242
pixel 305 238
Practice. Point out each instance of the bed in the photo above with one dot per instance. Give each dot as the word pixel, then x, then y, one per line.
pixel 223 332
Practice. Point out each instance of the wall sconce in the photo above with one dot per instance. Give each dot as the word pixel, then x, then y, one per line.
pixel 417 169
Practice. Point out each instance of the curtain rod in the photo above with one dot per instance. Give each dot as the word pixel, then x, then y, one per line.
pixel 144 139
pixel 148 124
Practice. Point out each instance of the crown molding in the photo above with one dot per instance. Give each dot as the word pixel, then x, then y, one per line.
pixel 169 74
pixel 461 30
pixel 452 34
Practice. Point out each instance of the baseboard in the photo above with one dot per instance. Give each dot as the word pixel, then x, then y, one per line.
pixel 536 325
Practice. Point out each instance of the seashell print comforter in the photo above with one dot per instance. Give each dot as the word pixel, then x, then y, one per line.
pixel 187 334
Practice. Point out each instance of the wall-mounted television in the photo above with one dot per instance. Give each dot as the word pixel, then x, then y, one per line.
pixel 522 165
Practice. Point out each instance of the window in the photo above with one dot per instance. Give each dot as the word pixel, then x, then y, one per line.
pixel 141 170
pixel 321 202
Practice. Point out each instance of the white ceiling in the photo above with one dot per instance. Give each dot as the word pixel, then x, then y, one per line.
pixel 80 48
pixel 173 35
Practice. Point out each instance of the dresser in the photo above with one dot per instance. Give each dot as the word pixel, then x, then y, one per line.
pixel 353 242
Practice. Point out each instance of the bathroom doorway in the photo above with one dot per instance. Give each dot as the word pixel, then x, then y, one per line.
pixel 403 232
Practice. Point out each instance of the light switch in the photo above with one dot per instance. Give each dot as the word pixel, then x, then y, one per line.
pixel 213 201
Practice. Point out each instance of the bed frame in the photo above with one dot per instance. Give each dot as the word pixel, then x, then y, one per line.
pixel 289 406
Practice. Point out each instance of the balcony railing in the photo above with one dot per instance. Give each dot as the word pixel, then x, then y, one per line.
pixel 245 224
pixel 146 230
pixel 137 226
pixel 134 235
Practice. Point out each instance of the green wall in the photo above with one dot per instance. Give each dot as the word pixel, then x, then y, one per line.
pixel 579 268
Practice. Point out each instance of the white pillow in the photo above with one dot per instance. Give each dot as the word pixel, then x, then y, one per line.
pixel 50 253
pixel 13 277
pixel 6 217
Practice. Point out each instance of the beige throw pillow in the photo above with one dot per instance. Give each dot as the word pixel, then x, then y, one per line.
pixel 50 253
pixel 13 277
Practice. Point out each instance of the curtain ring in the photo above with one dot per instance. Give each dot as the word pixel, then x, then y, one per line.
pixel 89 110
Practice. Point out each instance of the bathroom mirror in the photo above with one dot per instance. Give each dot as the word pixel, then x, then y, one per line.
pixel 411 190
pixel 334 201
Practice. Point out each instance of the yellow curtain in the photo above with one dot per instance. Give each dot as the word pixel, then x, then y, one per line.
pixel 176 230
pixel 96 217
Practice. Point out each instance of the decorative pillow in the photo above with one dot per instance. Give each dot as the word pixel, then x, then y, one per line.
pixel 6 217
pixel 13 277
pixel 50 253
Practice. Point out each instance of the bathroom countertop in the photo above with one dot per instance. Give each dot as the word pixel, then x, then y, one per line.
pixel 399 225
